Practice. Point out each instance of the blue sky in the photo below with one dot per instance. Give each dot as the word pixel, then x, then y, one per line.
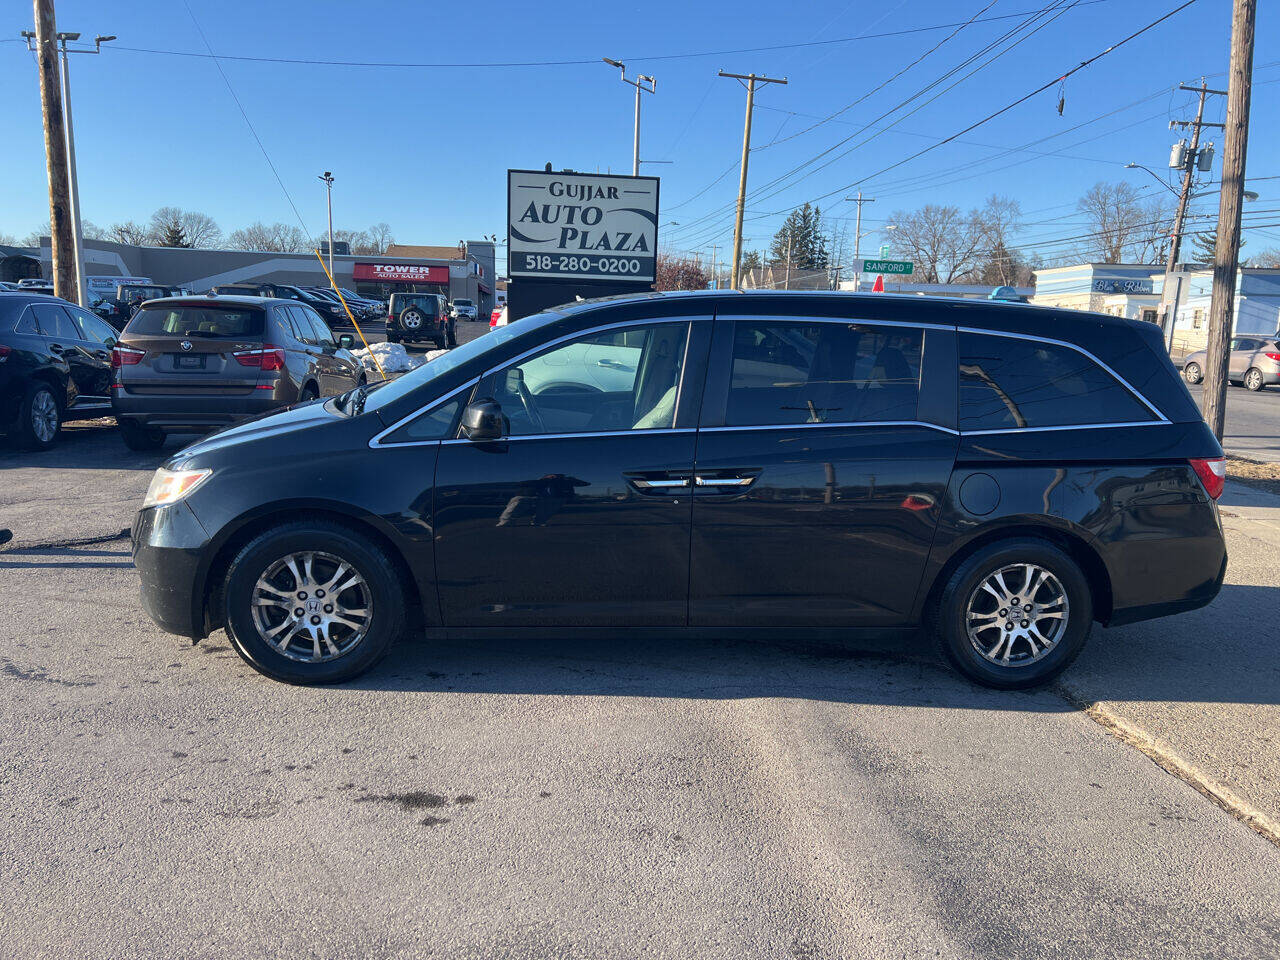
pixel 426 149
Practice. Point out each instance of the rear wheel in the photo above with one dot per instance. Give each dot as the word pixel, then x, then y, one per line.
pixel 1192 373
pixel 39 418
pixel 1253 379
pixel 411 320
pixel 308 393
pixel 312 602
pixel 139 436
pixel 1015 614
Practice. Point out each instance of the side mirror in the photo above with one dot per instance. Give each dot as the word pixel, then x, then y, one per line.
pixel 346 341
pixel 483 420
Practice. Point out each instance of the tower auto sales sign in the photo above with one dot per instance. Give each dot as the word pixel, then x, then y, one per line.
pixel 581 225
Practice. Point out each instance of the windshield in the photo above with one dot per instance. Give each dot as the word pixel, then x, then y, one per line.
pixel 455 358
pixel 464 303
pixel 189 321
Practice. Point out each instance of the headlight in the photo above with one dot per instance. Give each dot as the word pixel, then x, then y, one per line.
pixel 170 486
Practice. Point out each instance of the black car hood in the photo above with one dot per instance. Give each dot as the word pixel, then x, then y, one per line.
pixel 269 426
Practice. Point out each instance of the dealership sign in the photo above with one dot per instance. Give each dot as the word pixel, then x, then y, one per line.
pixel 581 225
pixel 399 273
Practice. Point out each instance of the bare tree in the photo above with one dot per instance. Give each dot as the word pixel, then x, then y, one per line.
pixel 945 244
pixel 680 273
pixel 130 232
pixel 1267 258
pixel 91 231
pixel 380 238
pixel 270 238
pixel 1116 220
pixel 200 229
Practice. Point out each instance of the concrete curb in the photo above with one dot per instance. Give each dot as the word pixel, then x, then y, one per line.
pixel 1166 759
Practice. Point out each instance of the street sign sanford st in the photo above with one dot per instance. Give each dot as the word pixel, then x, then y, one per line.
pixel 900 267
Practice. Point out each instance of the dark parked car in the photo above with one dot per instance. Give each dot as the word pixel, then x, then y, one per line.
pixel 421 316
pixel 331 310
pixel 746 463
pixel 55 366
pixel 191 363
pixel 117 309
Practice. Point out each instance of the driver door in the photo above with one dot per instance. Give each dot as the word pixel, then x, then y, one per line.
pixel 580 515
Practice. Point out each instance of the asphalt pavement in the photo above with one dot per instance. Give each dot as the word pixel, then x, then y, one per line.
pixel 659 798
pixel 1253 421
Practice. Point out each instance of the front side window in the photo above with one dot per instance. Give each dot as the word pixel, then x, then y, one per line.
pixel 787 372
pixel 617 380
pixel 92 328
pixel 324 336
pixel 1008 383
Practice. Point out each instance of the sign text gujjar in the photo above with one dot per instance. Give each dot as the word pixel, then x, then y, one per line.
pixel 581 225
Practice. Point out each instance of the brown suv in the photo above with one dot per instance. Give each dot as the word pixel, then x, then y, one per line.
pixel 193 363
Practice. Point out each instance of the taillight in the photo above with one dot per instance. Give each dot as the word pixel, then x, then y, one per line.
pixel 267 357
pixel 1274 356
pixel 125 357
pixel 1213 474
pixel 5 351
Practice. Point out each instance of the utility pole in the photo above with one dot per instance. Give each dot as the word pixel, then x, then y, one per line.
pixel 715 273
pixel 1227 255
pixel 787 286
pixel 639 84
pixel 1188 160
pixel 327 177
pixel 857 237
pixel 62 247
pixel 751 79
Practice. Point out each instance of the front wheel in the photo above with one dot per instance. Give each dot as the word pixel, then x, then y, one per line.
pixel 1253 380
pixel 1015 614
pixel 312 602
pixel 1192 373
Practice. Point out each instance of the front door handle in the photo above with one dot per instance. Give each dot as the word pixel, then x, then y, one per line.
pixel 723 482
pixel 673 484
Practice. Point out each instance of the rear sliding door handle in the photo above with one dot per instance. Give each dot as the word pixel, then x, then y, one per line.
pixel 726 482
pixel 678 484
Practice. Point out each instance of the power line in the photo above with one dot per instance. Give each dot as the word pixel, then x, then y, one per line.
pixel 571 63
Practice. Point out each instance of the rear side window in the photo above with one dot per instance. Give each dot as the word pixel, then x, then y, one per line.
pixel 55 322
pixel 1007 383
pixel 193 321
pixel 797 372
pixel 27 323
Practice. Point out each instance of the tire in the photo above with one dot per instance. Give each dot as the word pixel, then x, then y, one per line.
pixel 965 587
pixel 308 393
pixel 380 592
pixel 393 337
pixel 139 436
pixel 1192 373
pixel 452 336
pixel 1253 380
pixel 39 419
pixel 411 320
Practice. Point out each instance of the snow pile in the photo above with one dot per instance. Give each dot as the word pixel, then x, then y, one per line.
pixel 395 359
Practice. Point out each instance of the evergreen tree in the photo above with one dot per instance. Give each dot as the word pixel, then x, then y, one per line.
pixel 751 260
pixel 1205 246
pixel 802 233
pixel 174 235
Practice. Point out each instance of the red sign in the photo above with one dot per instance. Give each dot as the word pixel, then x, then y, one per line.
pixel 399 273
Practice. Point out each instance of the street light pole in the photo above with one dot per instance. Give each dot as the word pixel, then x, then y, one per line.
pixel 857 237
pixel 327 177
pixel 639 84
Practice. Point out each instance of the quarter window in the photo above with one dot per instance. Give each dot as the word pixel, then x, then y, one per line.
pixel 55 322
pixel 799 372
pixel 619 380
pixel 1010 383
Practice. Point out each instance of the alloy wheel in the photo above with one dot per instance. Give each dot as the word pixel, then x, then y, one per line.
pixel 1017 615
pixel 44 416
pixel 312 606
pixel 1253 380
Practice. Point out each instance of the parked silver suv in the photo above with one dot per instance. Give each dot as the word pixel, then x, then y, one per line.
pixel 1255 362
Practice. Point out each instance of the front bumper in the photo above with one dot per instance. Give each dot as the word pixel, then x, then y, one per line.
pixel 171 551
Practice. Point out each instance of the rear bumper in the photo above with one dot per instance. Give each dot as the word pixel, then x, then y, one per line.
pixel 169 550
pixel 167 410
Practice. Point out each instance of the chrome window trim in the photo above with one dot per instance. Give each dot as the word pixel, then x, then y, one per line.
pixel 1078 349
pixel 571 436
pixel 375 442
pixel 843 423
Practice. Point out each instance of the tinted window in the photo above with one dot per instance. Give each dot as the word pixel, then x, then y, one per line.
pixel 55 322
pixel 322 332
pixel 798 372
pixel 620 380
pixel 189 321
pixel 301 325
pixel 1007 382
pixel 27 323
pixel 91 327
pixel 436 424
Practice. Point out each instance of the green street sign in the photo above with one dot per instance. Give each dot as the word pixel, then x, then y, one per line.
pixel 901 267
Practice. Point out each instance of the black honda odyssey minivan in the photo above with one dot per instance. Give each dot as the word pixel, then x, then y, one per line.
pixel 791 464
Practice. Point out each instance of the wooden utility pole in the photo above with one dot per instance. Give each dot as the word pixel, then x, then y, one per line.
pixel 857 237
pixel 751 79
pixel 55 152
pixel 1227 255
